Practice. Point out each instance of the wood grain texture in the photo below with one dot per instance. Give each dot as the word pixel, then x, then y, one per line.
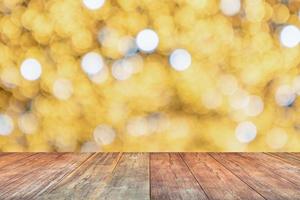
pixel 287 157
pixel 216 180
pixel 130 179
pixel 88 181
pixel 10 158
pixel 262 179
pixel 284 170
pixel 172 179
pixel 296 155
pixel 37 174
pixel 115 176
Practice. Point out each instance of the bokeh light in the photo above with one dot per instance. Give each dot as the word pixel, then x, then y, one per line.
pixel 104 134
pixel 6 124
pixel 28 123
pixel 147 40
pixel 31 69
pixel 230 7
pixel 140 75
pixel 290 36
pixel 93 4
pixel 246 132
pixel 62 89
pixel 180 59
pixel 92 63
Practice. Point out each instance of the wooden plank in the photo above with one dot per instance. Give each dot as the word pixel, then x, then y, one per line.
pixel 289 158
pixel 262 179
pixel 295 155
pixel 216 180
pixel 172 179
pixel 10 173
pixel 37 175
pixel 10 158
pixel 279 167
pixel 87 182
pixel 130 179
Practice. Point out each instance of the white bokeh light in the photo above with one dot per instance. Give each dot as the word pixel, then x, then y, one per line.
pixel 92 63
pixel 6 125
pixel 62 89
pixel 93 4
pixel 245 132
pixel 122 69
pixel 28 123
pixel 104 135
pixel 180 59
pixel 31 69
pixel 137 126
pixel 255 106
pixel 147 40
pixel 285 95
pixel 230 7
pixel 290 36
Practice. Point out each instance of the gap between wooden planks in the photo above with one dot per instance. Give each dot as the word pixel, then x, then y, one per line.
pixel 150 176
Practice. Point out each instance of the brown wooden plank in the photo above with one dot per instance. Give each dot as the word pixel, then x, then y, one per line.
pixel 279 167
pixel 36 175
pixel 87 182
pixel 262 179
pixel 286 157
pixel 296 155
pixel 172 179
pixel 9 158
pixel 216 180
pixel 130 179
pixel 10 173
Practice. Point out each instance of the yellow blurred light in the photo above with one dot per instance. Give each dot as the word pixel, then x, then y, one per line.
pixel 140 75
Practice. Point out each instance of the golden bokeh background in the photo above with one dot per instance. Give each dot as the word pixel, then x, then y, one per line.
pixel 149 75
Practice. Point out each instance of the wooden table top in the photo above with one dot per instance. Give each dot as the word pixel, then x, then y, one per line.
pixel 150 176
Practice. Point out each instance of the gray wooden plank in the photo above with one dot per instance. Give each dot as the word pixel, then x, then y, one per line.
pixel 130 179
pixel 87 182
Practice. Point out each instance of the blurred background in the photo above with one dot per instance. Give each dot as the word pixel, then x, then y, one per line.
pixel 149 75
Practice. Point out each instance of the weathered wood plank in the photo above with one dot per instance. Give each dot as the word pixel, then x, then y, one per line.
pixel 172 179
pixel 87 182
pixel 286 157
pixel 10 158
pixel 173 176
pixel 10 173
pixel 278 167
pixel 262 179
pixel 37 174
pixel 295 155
pixel 216 180
pixel 130 179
